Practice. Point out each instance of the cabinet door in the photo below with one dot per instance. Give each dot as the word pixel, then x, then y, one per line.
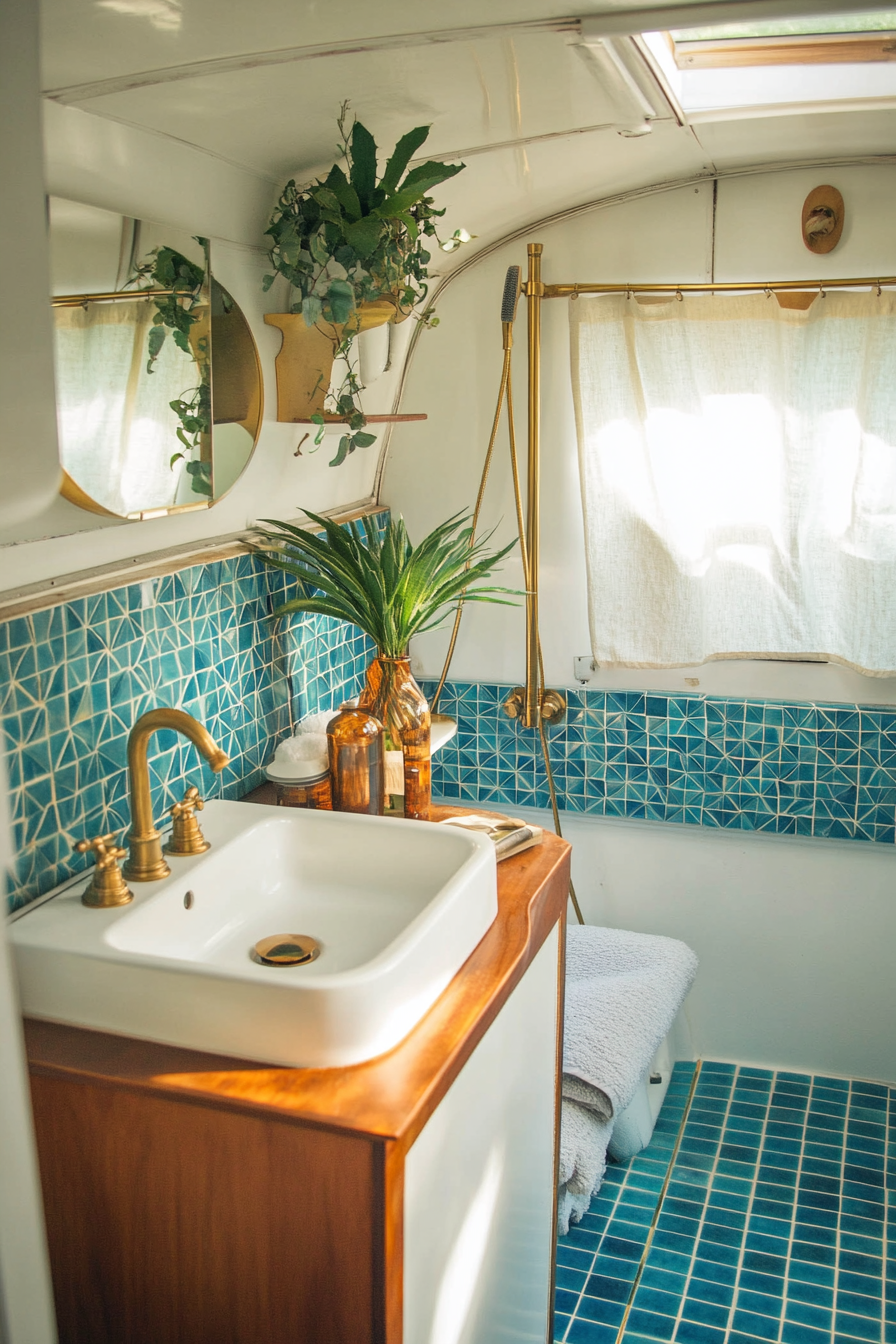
pixel 479 1183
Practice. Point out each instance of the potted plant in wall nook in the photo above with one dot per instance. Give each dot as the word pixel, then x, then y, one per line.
pixel 392 591
pixel 351 247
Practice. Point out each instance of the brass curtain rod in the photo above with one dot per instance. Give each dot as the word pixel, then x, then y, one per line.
pixel 564 291
pixel 78 300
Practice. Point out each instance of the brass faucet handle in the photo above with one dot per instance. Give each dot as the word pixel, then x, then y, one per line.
pixel 107 887
pixel 186 835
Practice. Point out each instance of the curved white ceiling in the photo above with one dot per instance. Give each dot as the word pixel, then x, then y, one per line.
pixel 536 121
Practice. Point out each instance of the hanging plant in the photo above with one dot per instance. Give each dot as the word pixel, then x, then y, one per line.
pixel 166 268
pixel 350 239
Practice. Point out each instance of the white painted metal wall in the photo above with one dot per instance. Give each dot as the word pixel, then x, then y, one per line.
pixel 795 937
pixel 30 469
pixel 665 236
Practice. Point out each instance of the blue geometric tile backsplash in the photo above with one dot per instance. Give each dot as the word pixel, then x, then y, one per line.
pixel 74 678
pixel 790 768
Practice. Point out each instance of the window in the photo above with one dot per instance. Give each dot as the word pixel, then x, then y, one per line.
pixel 738 469
pixel 852 38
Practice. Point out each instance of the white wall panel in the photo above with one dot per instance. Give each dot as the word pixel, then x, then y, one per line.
pixel 118 167
pixel 435 469
pixel 795 936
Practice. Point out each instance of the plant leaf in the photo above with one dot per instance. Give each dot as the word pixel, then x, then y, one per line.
pixel 364 237
pixel 341 452
pixel 345 194
pixel 430 174
pixel 401 156
pixel 341 300
pixel 363 177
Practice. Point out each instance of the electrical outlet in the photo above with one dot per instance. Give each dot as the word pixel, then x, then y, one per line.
pixel 583 668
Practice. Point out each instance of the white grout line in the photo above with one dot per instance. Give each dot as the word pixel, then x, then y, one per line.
pixel 750 1202
pixel 883 1286
pixel 590 1270
pixel 706 1194
pixel 840 1214
pixel 795 1217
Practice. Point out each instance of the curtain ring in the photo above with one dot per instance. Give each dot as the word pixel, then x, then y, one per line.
pixel 575 292
pixel 821 291
pixel 768 291
pixel 879 290
pixel 628 293
pixel 679 296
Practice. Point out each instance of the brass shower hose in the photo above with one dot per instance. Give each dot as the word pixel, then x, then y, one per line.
pixel 505 393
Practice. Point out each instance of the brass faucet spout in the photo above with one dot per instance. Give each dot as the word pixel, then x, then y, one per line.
pixel 146 863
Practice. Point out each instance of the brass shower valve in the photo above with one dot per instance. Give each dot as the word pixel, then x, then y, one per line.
pixel 107 887
pixel 186 836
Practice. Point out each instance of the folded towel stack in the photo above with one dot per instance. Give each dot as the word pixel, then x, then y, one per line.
pixel 623 991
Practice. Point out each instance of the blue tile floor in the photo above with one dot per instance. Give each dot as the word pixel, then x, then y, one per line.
pixel 758 1212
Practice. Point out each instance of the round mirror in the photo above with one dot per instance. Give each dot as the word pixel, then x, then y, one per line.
pixel 154 417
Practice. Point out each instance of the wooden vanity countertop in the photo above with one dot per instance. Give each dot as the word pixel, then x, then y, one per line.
pixel 390 1097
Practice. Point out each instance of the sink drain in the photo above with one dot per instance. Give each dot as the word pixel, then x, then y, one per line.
pixel 285 949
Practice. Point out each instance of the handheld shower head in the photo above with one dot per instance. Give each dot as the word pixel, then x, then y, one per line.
pixel 511 294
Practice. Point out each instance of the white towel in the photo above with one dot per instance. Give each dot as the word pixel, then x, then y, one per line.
pixel 623 991
pixel 583 1161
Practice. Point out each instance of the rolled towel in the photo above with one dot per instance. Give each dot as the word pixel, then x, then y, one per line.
pixel 623 991
pixel 583 1161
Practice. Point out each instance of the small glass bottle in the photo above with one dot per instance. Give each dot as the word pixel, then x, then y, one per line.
pixel 356 749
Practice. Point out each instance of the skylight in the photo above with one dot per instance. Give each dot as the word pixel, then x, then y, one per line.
pixel 826 40
pixel 814 64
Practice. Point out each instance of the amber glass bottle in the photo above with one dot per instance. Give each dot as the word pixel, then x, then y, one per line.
pixel 392 694
pixel 356 749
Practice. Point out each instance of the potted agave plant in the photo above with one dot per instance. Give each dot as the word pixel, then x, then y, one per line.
pixel 392 591
pixel 352 248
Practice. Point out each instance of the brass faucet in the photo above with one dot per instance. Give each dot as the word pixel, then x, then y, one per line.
pixel 146 863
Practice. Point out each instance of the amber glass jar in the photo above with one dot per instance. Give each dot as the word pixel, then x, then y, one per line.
pixel 356 748
pixel 393 696
pixel 312 793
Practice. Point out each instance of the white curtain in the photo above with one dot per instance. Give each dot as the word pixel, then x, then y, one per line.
pixel 738 476
pixel 117 431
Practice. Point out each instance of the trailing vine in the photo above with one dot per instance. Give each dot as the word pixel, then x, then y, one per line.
pixel 165 268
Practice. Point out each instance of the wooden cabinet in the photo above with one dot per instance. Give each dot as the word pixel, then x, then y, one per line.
pixel 192 1199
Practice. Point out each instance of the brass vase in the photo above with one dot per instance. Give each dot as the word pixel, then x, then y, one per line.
pixel 392 695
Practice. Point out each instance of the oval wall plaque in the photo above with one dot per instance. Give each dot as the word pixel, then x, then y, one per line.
pixel 823 213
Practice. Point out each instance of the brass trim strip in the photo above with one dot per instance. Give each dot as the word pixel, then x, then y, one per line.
pixel 22 601
pixel 533 290
pixel 110 296
pixel 659 1204
pixel 566 290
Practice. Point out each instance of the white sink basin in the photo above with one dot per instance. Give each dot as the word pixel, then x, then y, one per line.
pixel 396 906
